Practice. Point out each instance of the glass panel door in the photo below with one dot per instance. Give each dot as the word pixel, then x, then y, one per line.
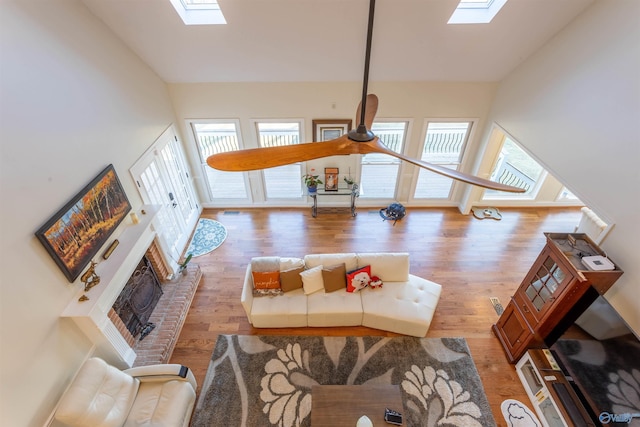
pixel 220 136
pixel 162 178
pixel 379 172
pixel 283 182
pixel 444 145
pixel 544 283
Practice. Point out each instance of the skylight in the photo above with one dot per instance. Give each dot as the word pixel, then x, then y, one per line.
pixel 199 12
pixel 476 11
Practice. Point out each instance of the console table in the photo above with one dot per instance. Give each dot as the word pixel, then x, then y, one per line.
pixel 353 193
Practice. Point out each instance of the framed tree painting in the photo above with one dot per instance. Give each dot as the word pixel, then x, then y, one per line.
pixel 325 130
pixel 77 231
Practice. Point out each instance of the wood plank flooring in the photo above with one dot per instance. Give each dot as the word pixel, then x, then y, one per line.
pixel 472 259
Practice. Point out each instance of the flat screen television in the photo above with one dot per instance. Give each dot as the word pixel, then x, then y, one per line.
pixel 600 355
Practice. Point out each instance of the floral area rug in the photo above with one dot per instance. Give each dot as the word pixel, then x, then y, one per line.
pixel 267 380
pixel 208 236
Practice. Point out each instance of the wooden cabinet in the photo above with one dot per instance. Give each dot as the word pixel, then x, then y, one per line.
pixel 515 333
pixel 553 294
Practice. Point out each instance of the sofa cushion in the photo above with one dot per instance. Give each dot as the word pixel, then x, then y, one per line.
pixel 338 308
pixel 334 277
pixel 288 310
pixel 358 279
pixel 405 307
pixel 290 279
pixel 388 266
pixel 350 260
pixel 312 280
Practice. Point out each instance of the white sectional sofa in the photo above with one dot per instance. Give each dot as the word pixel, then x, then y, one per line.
pixel 404 304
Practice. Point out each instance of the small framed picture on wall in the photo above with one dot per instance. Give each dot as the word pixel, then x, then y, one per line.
pixel 331 179
pixel 326 130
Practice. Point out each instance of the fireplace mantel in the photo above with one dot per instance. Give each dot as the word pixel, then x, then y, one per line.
pixel 91 315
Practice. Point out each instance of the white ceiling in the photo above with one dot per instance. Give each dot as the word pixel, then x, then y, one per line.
pixel 324 40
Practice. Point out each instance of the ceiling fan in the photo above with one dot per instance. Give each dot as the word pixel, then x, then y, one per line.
pixel 360 140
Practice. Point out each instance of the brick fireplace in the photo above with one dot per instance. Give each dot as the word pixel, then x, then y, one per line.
pixel 168 316
pixel 97 319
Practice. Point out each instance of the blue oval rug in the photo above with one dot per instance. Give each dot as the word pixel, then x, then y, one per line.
pixel 208 236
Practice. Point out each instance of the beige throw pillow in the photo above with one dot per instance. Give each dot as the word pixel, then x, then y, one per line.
pixel 334 277
pixel 290 279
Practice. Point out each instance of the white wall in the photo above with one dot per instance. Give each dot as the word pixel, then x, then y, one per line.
pixel 576 106
pixel 73 100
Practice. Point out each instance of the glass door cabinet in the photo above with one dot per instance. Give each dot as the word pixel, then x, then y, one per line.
pixel 557 289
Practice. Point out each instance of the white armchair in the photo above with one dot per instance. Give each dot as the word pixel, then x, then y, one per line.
pixel 104 396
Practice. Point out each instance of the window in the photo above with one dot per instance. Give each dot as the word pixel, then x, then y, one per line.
pixel 476 11
pixel 444 145
pixel 283 182
pixel 379 172
pixel 213 137
pixel 199 12
pixel 565 194
pixel 517 168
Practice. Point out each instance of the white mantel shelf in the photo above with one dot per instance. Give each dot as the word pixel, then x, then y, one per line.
pixel 92 315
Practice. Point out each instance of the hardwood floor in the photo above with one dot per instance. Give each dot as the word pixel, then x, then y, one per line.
pixel 472 259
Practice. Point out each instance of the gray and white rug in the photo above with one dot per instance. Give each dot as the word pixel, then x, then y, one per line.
pixel 267 380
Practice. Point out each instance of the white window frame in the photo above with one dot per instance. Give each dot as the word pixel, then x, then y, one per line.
pixel 199 14
pixel 456 188
pixel 533 194
pixel 259 177
pixel 470 12
pixel 204 167
pixel 547 192
pixel 401 165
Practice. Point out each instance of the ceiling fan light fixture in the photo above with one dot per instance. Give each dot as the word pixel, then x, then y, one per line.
pixel 361 134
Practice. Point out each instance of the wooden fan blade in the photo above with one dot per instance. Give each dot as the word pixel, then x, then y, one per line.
pixel 376 146
pixel 269 157
pixel 370 111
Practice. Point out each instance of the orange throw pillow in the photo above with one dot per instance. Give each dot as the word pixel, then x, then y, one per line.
pixel 266 280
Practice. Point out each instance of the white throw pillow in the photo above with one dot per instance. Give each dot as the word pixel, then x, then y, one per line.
pixel 312 280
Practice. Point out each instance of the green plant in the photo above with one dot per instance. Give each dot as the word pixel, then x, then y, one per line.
pixel 349 181
pixel 311 180
pixel 183 266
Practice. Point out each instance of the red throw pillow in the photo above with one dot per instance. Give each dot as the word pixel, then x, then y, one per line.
pixel 358 279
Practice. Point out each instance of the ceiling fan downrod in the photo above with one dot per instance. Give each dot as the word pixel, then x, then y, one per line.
pixel 361 133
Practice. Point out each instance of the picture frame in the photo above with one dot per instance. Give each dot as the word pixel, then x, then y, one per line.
pixel 331 179
pixel 328 129
pixel 75 234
